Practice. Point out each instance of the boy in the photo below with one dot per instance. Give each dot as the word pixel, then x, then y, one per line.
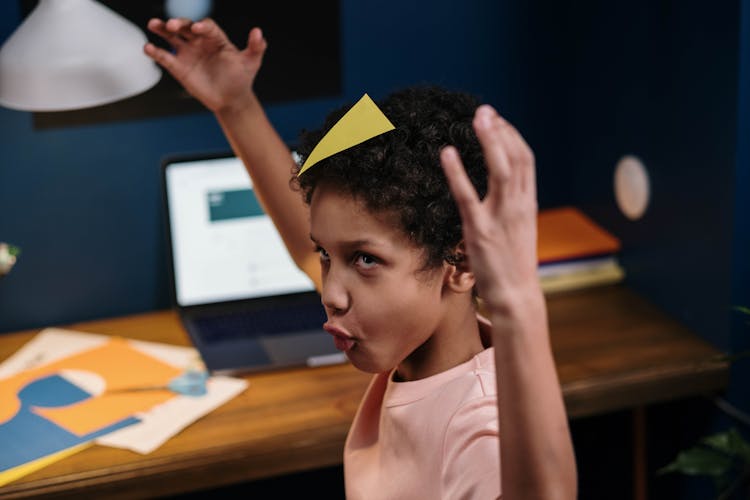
pixel 398 289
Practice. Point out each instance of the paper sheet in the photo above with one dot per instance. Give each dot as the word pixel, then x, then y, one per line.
pixel 113 365
pixel 158 423
pixel 167 419
pixel 30 439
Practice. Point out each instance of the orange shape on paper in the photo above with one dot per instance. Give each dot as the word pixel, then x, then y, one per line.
pixel 119 365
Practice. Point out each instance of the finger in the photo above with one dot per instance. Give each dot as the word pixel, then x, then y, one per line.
pixel 512 153
pixel 460 186
pixel 491 130
pixel 155 25
pixel 528 181
pixel 163 58
pixel 517 175
pixel 522 160
pixel 181 27
pixel 256 43
pixel 159 27
pixel 207 28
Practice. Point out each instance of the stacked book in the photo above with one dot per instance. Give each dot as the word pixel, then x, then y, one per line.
pixel 574 252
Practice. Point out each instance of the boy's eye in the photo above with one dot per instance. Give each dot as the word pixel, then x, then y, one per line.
pixel 365 261
pixel 323 254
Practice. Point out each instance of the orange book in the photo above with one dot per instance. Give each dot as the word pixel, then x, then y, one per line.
pixel 566 233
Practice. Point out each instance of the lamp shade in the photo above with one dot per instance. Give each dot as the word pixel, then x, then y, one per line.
pixel 73 54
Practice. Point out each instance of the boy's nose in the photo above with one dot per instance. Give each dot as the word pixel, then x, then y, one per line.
pixel 334 295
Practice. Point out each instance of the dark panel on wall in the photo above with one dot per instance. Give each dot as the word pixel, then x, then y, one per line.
pixel 538 73
pixel 659 80
pixel 739 392
pixel 303 62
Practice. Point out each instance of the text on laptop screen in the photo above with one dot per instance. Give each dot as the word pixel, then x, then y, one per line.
pixel 224 247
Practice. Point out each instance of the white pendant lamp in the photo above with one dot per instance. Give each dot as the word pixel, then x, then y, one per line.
pixel 73 54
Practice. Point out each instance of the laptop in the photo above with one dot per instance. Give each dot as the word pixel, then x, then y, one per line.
pixel 241 298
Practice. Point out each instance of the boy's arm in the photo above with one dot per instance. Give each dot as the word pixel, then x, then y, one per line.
pixel 214 71
pixel 269 162
pixel 536 451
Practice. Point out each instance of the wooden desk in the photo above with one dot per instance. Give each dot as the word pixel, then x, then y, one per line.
pixel 613 351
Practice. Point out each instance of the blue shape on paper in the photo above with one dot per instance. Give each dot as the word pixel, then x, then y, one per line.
pixel 28 436
pixel 190 383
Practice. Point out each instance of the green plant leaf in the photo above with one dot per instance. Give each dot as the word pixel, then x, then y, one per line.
pixel 743 310
pixel 14 250
pixel 730 442
pixel 700 461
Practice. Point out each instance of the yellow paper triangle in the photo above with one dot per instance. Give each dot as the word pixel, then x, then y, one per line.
pixel 362 122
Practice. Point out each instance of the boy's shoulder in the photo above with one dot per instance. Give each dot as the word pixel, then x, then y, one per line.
pixel 470 384
pixel 478 380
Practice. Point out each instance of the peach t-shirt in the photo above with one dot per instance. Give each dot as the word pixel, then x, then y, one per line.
pixel 431 438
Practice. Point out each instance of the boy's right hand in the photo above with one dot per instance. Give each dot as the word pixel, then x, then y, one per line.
pixel 210 67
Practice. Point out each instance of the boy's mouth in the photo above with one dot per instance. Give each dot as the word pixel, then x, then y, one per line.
pixel 342 340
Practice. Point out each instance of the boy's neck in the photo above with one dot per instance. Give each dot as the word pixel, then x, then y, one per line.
pixel 456 341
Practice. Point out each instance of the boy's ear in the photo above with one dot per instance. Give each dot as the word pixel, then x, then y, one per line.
pixel 458 275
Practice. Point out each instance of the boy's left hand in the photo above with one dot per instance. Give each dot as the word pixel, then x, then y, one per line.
pixel 500 230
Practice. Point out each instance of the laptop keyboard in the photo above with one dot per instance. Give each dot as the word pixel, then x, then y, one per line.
pixel 261 322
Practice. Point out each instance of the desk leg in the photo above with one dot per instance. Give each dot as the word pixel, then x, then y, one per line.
pixel 640 479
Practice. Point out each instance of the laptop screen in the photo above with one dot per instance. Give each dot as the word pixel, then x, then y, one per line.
pixel 224 247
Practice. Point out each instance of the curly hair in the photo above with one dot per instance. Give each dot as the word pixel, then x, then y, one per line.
pixel 398 173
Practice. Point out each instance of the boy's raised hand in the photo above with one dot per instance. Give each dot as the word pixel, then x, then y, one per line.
pixel 500 230
pixel 537 459
pixel 210 67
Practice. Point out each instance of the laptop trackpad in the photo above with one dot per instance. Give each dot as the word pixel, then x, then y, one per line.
pixel 311 348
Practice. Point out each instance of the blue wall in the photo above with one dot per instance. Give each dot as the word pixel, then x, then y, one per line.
pixel 585 83
pixel 661 82
pixel 739 392
pixel 741 255
pixel 84 202
pixel 669 82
